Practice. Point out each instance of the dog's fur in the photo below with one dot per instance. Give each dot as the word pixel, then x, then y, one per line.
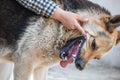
pixel 33 42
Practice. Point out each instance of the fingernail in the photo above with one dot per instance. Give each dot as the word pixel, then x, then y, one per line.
pixel 84 34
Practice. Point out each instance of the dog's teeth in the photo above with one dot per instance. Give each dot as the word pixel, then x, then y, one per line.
pixel 63 52
pixel 62 55
pixel 74 55
pixel 65 58
pixel 79 44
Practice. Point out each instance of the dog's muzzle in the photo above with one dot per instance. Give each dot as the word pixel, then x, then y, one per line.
pixel 71 49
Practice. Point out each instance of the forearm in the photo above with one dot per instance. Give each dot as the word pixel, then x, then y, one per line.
pixel 40 7
pixel 49 9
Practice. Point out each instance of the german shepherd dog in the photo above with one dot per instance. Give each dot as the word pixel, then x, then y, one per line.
pixel 35 43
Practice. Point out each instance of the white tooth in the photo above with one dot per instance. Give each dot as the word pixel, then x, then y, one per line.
pixel 74 55
pixel 79 45
pixel 65 58
pixel 63 52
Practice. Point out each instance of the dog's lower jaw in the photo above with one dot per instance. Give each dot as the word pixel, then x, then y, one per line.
pixel 71 50
pixel 80 64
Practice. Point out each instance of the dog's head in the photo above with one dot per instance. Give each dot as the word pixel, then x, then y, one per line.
pixel 102 35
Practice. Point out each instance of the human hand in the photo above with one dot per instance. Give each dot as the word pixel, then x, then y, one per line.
pixel 69 19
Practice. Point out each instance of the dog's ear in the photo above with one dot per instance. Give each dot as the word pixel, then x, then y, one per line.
pixel 113 22
pixel 118 38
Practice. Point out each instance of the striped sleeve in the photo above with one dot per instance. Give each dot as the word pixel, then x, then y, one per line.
pixel 41 7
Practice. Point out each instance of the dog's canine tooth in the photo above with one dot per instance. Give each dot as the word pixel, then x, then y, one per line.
pixel 63 56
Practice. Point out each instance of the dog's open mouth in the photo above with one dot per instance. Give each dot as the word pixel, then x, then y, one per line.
pixel 70 50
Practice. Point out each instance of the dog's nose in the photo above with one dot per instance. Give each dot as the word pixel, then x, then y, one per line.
pixel 80 64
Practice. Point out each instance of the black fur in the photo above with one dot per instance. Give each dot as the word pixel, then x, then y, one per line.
pixel 84 5
pixel 13 20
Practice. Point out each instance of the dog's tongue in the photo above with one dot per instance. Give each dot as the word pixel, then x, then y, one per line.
pixel 73 51
pixel 65 63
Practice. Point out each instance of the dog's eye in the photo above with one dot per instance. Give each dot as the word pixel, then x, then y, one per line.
pixel 93 45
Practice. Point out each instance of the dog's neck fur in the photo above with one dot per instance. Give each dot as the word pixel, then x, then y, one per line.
pixel 83 8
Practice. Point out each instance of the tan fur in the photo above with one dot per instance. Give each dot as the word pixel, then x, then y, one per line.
pixel 118 37
pixel 45 53
pixel 39 47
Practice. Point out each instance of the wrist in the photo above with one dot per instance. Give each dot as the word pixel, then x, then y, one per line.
pixel 58 14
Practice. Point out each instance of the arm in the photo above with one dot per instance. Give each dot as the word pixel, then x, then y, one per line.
pixel 49 9
pixel 69 19
pixel 41 7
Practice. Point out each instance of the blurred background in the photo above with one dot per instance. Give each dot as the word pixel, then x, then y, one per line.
pixel 106 69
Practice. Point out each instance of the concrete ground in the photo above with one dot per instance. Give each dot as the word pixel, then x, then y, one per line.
pixel 94 71
pixel 105 69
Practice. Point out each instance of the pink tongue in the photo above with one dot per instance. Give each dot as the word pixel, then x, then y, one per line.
pixel 65 63
pixel 72 52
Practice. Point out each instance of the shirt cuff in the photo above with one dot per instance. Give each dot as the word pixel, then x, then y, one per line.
pixel 41 7
pixel 49 8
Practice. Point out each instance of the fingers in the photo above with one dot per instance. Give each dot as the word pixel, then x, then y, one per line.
pixel 78 26
pixel 81 19
pixel 80 29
